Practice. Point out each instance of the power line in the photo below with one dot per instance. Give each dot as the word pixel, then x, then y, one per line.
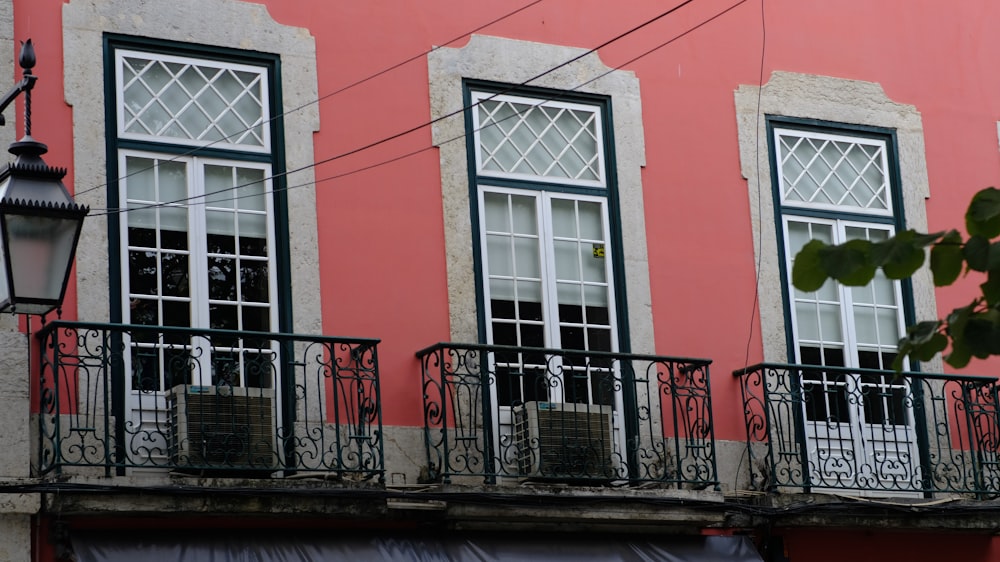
pixel 425 149
pixel 574 88
pixel 463 109
pixel 760 236
pixel 333 93
pixel 760 204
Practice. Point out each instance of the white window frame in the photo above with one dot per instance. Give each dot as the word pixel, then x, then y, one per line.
pixel 861 440
pixel 478 96
pixel 197 233
pixel 880 144
pixel 543 217
pixel 504 420
pixel 265 124
pixel 246 156
pixel 848 331
pixel 890 446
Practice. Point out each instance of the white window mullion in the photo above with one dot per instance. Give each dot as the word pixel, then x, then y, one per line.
pixel 612 304
pixel 550 299
pixel 610 276
pixel 851 357
pixel 900 318
pixel 272 249
pixel 197 236
pixel 201 348
pixel 847 309
pixel 123 246
pixel 484 252
pixel 549 296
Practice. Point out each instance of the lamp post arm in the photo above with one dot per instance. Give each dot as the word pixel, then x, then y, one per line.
pixel 27 62
pixel 25 85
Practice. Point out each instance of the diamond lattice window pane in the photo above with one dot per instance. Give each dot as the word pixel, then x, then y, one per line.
pixel 192 100
pixel 535 138
pixel 831 171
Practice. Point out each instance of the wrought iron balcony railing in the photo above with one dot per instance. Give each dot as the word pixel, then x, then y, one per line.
pixel 870 431
pixel 119 397
pixel 570 416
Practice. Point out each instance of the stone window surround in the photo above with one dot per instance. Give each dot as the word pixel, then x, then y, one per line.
pixel 84 25
pixel 838 100
pixel 512 62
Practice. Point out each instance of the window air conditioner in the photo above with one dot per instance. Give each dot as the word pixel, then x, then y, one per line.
pixel 564 441
pixel 222 427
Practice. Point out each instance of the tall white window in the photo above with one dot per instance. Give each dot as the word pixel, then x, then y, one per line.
pixel 545 241
pixel 197 237
pixel 835 188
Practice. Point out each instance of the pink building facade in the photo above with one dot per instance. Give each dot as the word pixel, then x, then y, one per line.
pixel 510 273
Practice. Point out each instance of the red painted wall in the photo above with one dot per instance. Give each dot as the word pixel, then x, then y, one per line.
pixel 697 209
pixel 381 235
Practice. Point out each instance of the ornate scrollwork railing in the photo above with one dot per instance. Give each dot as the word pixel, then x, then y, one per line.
pixel 124 396
pixel 835 428
pixel 569 416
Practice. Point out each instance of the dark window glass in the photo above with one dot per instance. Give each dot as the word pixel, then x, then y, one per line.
pixel 502 309
pixel 174 269
pixel 253 281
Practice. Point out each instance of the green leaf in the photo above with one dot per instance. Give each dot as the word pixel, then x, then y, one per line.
pixel 982 334
pixel 924 240
pixel 959 356
pixel 993 257
pixel 927 350
pixel 807 271
pixel 903 262
pixel 922 342
pixel 983 216
pixel 957 321
pixel 991 289
pixel 904 348
pixel 850 263
pixel 902 254
pixel 946 259
pixel 977 253
pixel 922 332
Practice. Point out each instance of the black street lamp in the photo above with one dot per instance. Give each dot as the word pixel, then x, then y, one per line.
pixel 39 222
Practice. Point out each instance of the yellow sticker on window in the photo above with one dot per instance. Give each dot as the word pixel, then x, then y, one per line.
pixel 598 250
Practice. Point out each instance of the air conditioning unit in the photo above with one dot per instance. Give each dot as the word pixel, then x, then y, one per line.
pixel 222 428
pixel 564 441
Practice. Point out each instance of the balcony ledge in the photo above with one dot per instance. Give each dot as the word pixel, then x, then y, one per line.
pixel 953 513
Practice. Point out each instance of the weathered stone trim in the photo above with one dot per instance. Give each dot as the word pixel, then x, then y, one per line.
pixel 839 100
pixel 513 62
pixel 249 27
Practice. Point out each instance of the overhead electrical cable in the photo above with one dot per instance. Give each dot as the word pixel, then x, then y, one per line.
pixel 335 92
pixel 756 160
pixel 421 126
pixel 461 111
pixel 760 206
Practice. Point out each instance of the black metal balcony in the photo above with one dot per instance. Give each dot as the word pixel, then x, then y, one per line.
pixel 838 429
pixel 567 416
pixel 119 397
